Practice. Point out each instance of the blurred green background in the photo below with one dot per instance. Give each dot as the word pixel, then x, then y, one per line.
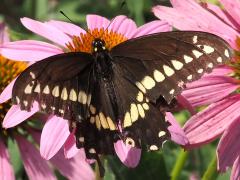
pixel 172 160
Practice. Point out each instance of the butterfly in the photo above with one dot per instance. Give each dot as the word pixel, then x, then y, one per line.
pixel 107 95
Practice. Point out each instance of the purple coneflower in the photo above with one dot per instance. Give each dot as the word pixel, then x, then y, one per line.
pixel 35 166
pixel 219 89
pixel 67 37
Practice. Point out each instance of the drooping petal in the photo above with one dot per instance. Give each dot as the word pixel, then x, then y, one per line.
pixel 7 92
pixel 4 37
pixel 129 156
pixel 68 28
pixel 152 27
pixel 28 50
pixel 54 134
pixel 187 15
pixel 6 169
pixel 96 21
pixel 229 147
pixel 209 89
pixel 211 122
pixel 235 175
pixel 233 9
pixel 36 167
pixel 186 104
pixel 15 115
pixel 123 25
pixel 70 148
pixel 47 31
pixel 74 168
pixel 177 133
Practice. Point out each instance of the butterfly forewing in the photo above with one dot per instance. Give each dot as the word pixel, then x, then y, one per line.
pixel 59 84
pixel 170 59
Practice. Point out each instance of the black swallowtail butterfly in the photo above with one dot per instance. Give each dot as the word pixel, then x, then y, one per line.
pixel 111 94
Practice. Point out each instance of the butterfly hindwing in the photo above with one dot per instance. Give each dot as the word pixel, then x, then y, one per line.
pixel 58 83
pixel 141 122
pixel 169 60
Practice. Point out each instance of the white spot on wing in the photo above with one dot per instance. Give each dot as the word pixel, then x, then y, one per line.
pixel 64 94
pixel 55 91
pixel 187 59
pixel 37 88
pixel 134 112
pixel 148 82
pixel 46 90
pixel 210 65
pixel 226 53
pixel 177 64
pixel 196 53
pixel 32 75
pixel 195 39
pixel 28 89
pixel 141 87
pixel 200 71
pixel 158 76
pixel 190 77
pixel 171 91
pixel 145 106
pixel 73 95
pixel 82 97
pixel 140 96
pixel 219 59
pixel 127 120
pixel 168 71
pixel 141 110
pixel 153 148
pixel 207 49
pixel 161 133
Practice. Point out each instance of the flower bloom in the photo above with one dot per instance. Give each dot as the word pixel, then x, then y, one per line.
pixel 72 169
pixel 67 37
pixel 220 88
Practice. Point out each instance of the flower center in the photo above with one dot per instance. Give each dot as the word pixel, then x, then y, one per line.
pixel 83 43
pixel 8 71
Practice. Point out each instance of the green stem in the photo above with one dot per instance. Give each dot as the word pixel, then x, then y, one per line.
pixel 177 169
pixel 211 172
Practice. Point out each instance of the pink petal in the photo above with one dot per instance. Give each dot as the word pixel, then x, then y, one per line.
pixel 177 134
pixel 229 147
pixel 7 92
pixel 68 28
pixel 96 22
pixel 152 27
pixel 217 11
pixel 36 167
pixel 47 31
pixel 211 122
pixel 15 115
pixel 74 168
pixel 128 155
pixel 123 25
pixel 6 169
pixel 4 37
pixel 28 50
pixel 235 175
pixel 70 148
pixel 189 15
pixel 209 89
pixel 220 71
pixel 54 134
pixel 186 104
pixel 233 8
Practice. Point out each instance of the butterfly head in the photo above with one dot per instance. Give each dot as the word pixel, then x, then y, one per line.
pixel 98 45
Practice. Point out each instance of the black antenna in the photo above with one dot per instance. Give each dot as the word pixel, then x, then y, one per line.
pixel 67 17
pixel 73 22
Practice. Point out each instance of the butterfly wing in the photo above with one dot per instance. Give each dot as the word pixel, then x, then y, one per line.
pixel 60 84
pixel 164 62
pixel 158 65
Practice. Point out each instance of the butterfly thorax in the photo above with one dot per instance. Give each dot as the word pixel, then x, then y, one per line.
pixel 103 65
